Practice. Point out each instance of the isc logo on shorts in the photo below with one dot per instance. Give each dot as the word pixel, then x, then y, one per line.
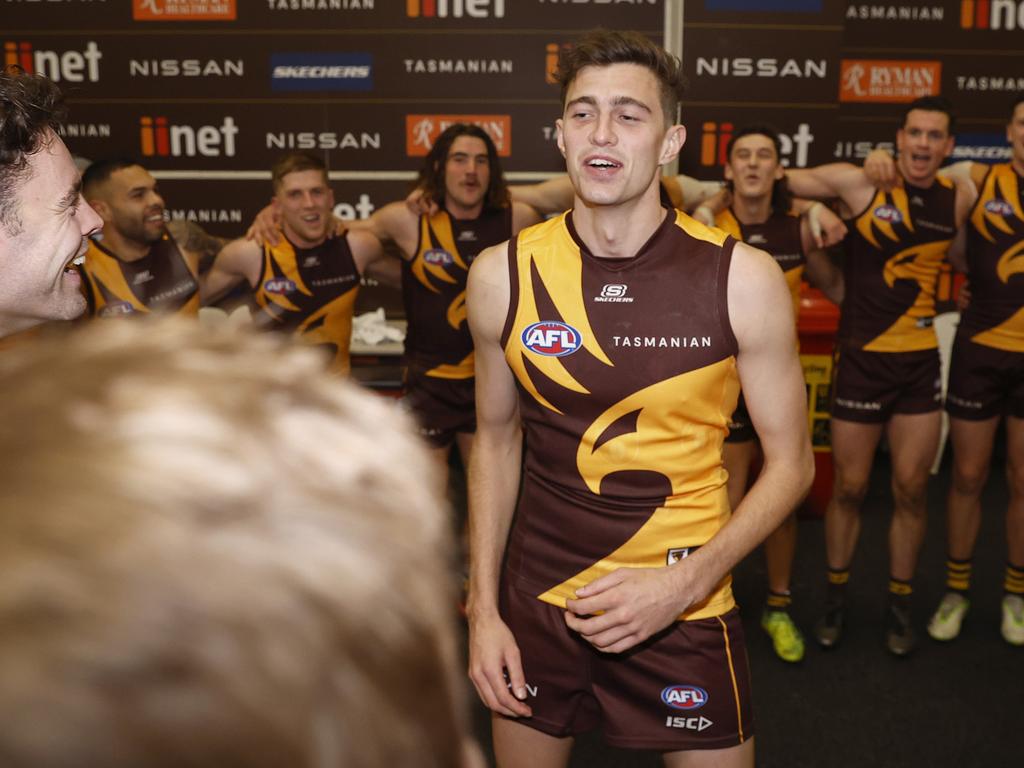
pixel 889 213
pixel 438 256
pixel 684 696
pixel 999 207
pixel 551 338
pixel 279 285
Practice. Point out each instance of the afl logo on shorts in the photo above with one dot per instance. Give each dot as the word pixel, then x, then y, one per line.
pixel 438 256
pixel 889 213
pixel 552 338
pixel 684 696
pixel 999 207
pixel 279 285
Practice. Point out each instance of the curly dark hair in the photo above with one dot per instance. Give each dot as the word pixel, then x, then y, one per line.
pixel 431 176
pixel 31 106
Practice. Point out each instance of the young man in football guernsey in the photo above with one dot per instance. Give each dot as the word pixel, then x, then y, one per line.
pixel 887 376
pixel 761 215
pixel 44 221
pixel 142 263
pixel 986 380
pixel 307 283
pixel 616 336
pixel 462 177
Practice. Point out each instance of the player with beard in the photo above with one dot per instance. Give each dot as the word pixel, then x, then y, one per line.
pixel 142 263
pixel 986 377
pixel 616 336
pixel 307 282
pixel 887 376
pixel 761 215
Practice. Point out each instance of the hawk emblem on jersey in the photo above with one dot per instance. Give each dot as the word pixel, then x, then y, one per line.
pixel 1011 262
pixel 887 212
pixel 919 263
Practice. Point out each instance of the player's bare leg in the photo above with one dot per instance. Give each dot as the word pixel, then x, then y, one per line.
pixel 519 746
pixel 740 756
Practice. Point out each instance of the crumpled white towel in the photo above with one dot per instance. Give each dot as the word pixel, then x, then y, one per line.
pixel 372 328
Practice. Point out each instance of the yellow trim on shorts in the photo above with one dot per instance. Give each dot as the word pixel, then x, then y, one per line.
pixel 732 675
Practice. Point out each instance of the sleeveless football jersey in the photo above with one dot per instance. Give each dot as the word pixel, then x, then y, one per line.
pixel 626 370
pixel 165 281
pixel 995 263
pixel 434 290
pixel 779 235
pixel 310 292
pixel 894 250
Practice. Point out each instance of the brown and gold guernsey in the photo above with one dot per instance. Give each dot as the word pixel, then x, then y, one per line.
pixel 894 250
pixel 434 290
pixel 165 281
pixel 780 237
pixel 995 263
pixel 626 371
pixel 310 292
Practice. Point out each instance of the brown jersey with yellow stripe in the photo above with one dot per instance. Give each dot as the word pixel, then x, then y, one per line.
pixel 626 370
pixel 779 235
pixel 995 263
pixel 164 280
pixel 894 250
pixel 310 292
pixel 434 290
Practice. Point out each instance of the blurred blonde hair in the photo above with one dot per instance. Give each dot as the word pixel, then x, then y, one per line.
pixel 214 554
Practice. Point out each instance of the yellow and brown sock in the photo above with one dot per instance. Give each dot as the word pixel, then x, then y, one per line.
pixel 778 601
pixel 1013 582
pixel 837 580
pixel 958 575
pixel 900 589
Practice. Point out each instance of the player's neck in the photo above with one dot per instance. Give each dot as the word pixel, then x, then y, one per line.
pixel 924 182
pixel 124 248
pixel 618 231
pixel 1018 165
pixel 298 241
pixel 457 211
pixel 752 210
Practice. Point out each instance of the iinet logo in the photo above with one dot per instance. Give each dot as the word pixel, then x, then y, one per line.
pixel 715 138
pixel 158 139
pixel 456 9
pixel 997 14
pixel 69 66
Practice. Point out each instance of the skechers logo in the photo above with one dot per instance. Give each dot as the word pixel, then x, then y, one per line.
pixel 614 293
pixel 551 338
pixel 888 213
pixel 999 207
pixel 438 256
pixel 279 285
pixel 684 697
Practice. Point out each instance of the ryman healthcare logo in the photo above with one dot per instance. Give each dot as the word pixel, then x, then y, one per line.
pixel 422 130
pixel 888 81
pixel 552 338
pixel 184 10
pixel 321 72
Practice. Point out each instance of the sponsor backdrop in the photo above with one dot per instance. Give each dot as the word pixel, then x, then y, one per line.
pixel 211 91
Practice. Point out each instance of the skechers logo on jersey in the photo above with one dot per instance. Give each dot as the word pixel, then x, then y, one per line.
pixel 614 293
pixel 438 256
pixel 279 285
pixel 687 697
pixel 999 207
pixel 117 308
pixel 551 338
pixel 888 213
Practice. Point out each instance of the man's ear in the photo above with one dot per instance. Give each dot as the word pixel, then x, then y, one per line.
pixel 672 144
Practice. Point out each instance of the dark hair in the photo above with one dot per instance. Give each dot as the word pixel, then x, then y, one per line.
pixel 602 48
pixel 30 107
pixel 782 198
pixel 100 170
pixel 431 178
pixel 293 162
pixel 932 104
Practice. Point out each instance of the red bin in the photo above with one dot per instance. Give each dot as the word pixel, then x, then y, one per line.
pixel 817 324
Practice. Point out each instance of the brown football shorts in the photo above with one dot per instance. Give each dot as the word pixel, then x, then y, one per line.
pixel 441 407
pixel 984 382
pixel 870 387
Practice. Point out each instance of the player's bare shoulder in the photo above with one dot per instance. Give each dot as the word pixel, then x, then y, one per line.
pixel 488 291
pixel 758 296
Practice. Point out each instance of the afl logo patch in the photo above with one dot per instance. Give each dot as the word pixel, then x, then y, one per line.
pixel 999 207
pixel 889 213
pixel 117 308
pixel 684 697
pixel 279 285
pixel 552 338
pixel 438 256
